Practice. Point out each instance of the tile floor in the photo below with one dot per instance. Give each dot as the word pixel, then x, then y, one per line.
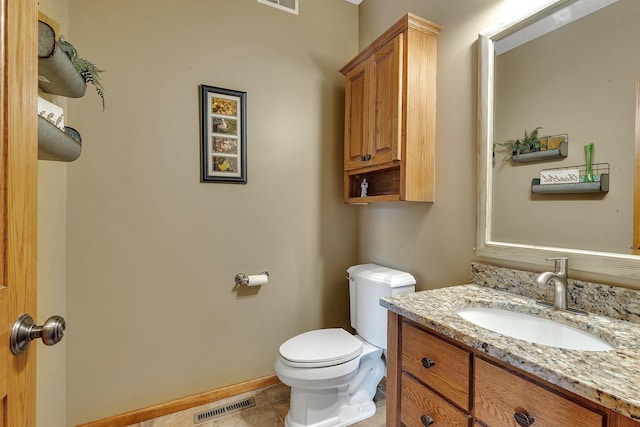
pixel 272 405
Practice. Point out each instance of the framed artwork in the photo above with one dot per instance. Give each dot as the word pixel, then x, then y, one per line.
pixel 223 125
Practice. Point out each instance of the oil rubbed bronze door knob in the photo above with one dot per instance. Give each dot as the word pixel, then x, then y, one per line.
pixel 427 363
pixel 523 419
pixel 426 420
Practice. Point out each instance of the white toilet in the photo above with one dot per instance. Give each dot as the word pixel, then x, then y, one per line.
pixel 333 375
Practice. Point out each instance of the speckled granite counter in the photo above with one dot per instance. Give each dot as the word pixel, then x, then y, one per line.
pixel 609 378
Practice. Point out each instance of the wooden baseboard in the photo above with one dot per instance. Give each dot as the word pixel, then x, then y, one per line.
pixel 162 409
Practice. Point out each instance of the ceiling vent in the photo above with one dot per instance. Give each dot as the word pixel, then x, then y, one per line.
pixel 288 5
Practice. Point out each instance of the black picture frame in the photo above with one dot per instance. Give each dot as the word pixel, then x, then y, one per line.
pixel 223 135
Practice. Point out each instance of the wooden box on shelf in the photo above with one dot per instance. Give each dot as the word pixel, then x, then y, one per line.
pixel 390 100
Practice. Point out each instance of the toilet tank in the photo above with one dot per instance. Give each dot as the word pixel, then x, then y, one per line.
pixel 367 284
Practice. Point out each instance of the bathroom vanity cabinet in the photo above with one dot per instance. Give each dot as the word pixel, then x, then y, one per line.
pixel 390 100
pixel 434 380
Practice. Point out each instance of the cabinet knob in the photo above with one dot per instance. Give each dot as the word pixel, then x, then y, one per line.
pixel 363 158
pixel 523 419
pixel 427 363
pixel 368 157
pixel 426 420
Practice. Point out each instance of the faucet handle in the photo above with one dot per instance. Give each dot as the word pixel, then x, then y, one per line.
pixel 561 263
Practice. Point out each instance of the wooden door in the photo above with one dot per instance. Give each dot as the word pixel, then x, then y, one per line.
pixel 386 77
pixel 18 186
pixel 356 123
pixel 636 187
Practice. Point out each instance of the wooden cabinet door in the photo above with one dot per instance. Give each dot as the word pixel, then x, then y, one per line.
pixel 18 186
pixel 499 395
pixel 441 365
pixel 420 406
pixel 386 116
pixel 373 109
pixel 356 122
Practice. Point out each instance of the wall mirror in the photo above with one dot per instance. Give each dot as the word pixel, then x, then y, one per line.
pixel 570 67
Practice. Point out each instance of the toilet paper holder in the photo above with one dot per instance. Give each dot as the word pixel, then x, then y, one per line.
pixel 243 278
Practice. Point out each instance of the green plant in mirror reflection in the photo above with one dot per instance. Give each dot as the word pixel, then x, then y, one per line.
pixel 529 143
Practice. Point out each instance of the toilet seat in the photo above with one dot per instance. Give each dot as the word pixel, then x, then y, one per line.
pixel 320 348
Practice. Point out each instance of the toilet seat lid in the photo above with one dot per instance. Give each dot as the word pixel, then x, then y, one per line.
pixel 320 348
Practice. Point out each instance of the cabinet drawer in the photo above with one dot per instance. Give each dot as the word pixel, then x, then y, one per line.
pixel 499 394
pixel 418 401
pixel 449 372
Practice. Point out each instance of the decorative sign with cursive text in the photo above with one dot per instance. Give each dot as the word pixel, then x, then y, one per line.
pixel 559 176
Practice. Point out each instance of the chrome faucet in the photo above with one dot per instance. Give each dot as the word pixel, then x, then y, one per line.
pixel 558 279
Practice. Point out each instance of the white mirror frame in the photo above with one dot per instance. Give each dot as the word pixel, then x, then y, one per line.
pixel 606 263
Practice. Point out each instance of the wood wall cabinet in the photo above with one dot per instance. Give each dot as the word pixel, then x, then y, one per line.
pixel 390 100
pixel 435 381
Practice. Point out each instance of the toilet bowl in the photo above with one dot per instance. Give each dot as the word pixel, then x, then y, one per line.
pixel 333 387
pixel 333 374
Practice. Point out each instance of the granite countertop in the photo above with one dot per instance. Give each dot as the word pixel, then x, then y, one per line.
pixel 609 378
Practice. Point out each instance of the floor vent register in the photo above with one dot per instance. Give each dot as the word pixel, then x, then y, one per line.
pixel 224 410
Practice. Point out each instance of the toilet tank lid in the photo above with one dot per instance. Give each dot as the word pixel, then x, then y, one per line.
pixel 378 273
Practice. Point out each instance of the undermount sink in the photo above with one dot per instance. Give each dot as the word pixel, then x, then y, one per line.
pixel 531 328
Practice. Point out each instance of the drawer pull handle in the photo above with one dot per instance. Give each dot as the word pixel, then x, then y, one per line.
pixel 426 420
pixel 427 363
pixel 523 419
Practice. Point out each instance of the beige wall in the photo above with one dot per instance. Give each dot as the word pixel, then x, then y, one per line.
pixel 435 241
pixel 152 252
pixel 52 295
pixel 51 367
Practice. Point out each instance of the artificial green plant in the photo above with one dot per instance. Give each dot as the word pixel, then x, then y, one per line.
pixel 87 69
pixel 530 142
